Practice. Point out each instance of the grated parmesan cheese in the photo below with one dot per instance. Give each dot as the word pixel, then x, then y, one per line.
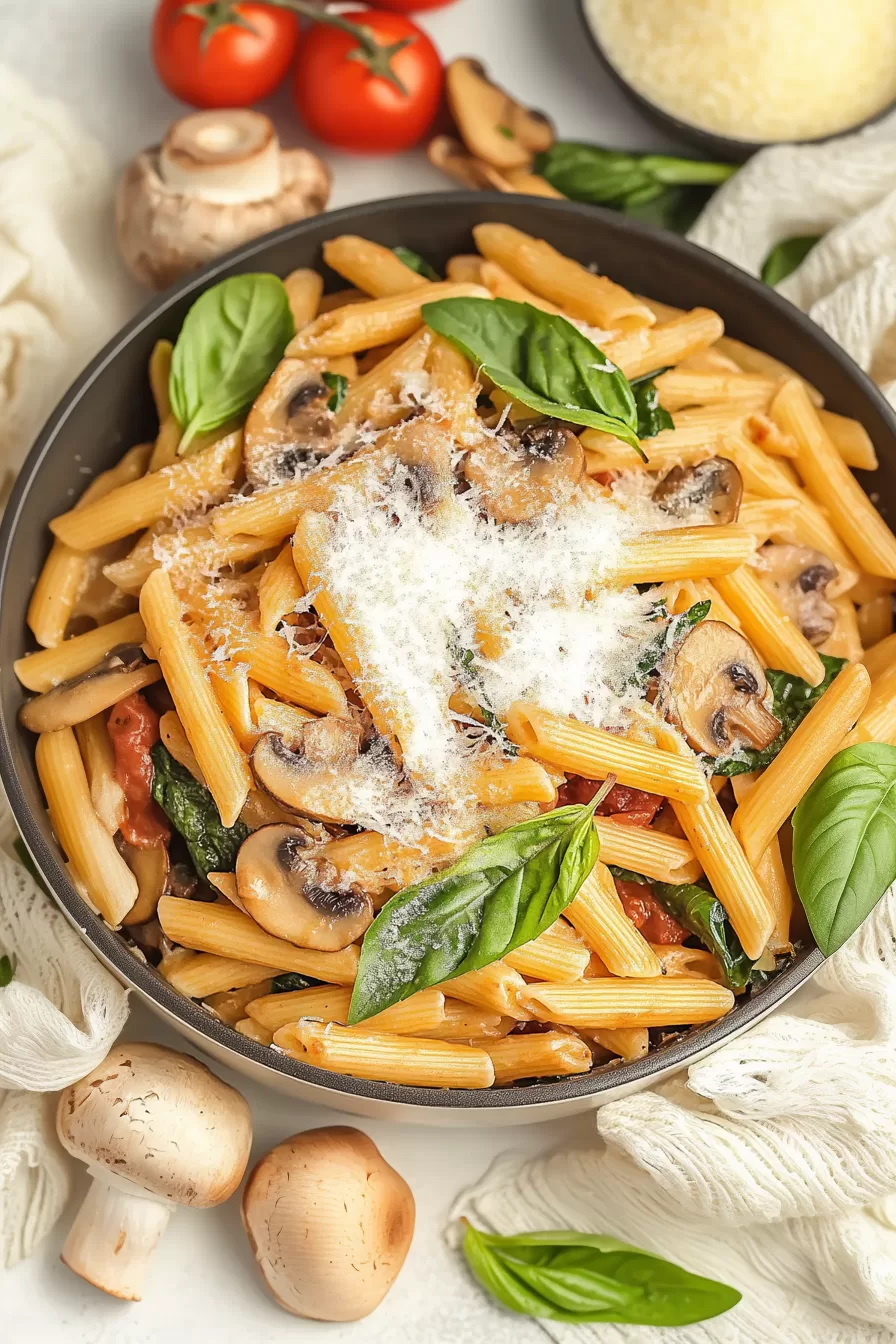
pixel 766 70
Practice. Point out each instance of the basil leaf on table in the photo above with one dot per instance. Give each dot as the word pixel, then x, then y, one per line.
pixel 504 891
pixel 844 841
pixel 289 981
pixel 541 360
pixel 231 341
pixel 652 417
pixel 7 970
pixel 792 700
pixel 338 385
pixel 578 1278
pixel 415 262
pixel 699 911
pixel 784 259
pixel 658 188
pixel 190 808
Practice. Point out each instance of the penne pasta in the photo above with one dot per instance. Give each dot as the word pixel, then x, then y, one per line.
pixel 42 671
pixel 680 388
pixel 371 267
pixel 665 858
pixel 98 755
pixel 684 553
pixel 279 592
pixel 778 641
pixel 554 1054
pixel 462 1022
pixel 304 289
pixel 246 1027
pixel 597 914
pixel 496 988
pixel 851 439
pixel 667 1001
pixel 773 879
pixel 230 1004
pixel 499 783
pixel 416 1016
pixel 550 956
pixel 205 974
pixel 628 1042
pixel 376 322
pixel 289 673
pixel 392 1059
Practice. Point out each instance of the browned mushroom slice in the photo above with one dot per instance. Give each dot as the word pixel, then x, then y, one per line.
pixel 422 453
pixel 450 156
pixel 298 897
pixel 151 869
pixel 717 693
pixel 331 741
pixel 798 579
pixel 123 671
pixel 519 484
pixel 290 422
pixel 492 124
pixel 323 790
pixel 713 487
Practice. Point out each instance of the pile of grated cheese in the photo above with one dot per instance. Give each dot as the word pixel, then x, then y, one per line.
pixel 766 70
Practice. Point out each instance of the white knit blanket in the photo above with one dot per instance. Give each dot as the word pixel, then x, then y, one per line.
pixel 772 1164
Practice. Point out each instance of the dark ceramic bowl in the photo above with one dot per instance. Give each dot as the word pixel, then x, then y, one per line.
pixel 725 148
pixel 109 408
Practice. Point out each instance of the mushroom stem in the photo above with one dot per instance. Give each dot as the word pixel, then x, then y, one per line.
pixel 113 1237
pixel 754 722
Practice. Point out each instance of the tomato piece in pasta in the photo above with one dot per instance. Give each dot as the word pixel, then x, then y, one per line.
pixel 623 803
pixel 646 913
pixel 134 727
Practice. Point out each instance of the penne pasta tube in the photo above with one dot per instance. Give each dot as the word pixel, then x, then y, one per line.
pixel 184 553
pixel 371 267
pixel 230 933
pixel 875 619
pixel 455 389
pixel 554 1054
pixel 246 1027
pixel 627 1042
pixel 665 858
pixel 541 268
pixel 667 1001
pixel 465 268
pixel 496 988
pixel 851 439
pixel 550 957
pixel 174 739
pixel 338 298
pixel 772 876
pixel 98 756
pixel 191 483
pixel 273 716
pixel 845 640
pixel 226 884
pixel 777 639
pixel 304 289
pixel 641 352
pixel 279 591
pixel 762 430
pixel 416 1016
pixel 462 1022
pixel 164 450
pixel 223 765
pixel 90 849
pixel 230 1004
pixel 832 484
pixel 751 360
pixel 676 959
pixel 42 671
pixel 204 974
pixel 376 397
pixel 765 517
pixel 392 1059
pixel 344 331
pixel 681 387
pixel 597 914
pixel 880 657
pixel 230 683
pixel 877 722
pixel 504 286
pixel 497 783
pixel 683 553
pixel 159 375
pixel 802 758
pixel 577 748
pixel 289 673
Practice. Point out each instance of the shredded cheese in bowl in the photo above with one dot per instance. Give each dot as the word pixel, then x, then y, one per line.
pixel 766 70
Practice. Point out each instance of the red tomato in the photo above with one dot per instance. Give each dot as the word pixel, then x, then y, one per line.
pixel 622 803
pixel 346 99
pixel 210 63
pixel 646 913
pixel 411 6
pixel 134 727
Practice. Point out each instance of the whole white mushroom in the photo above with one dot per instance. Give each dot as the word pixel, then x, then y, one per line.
pixel 156 1129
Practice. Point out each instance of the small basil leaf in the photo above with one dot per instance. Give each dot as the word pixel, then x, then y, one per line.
pixel 652 417
pixel 541 360
pixel 671 634
pixel 784 259
pixel 844 841
pixel 290 981
pixel 501 893
pixel 578 1278
pixel 338 385
pixel 191 809
pixel 7 970
pixel 703 915
pixel 415 262
pixel 231 341
pixel 792 700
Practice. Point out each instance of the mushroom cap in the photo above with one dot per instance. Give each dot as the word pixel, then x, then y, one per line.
pixel 296 896
pixel 152 869
pixel 798 577
pixel 329 1222
pixel 714 487
pixel 493 125
pixel 519 484
pixel 161 1119
pixel 124 670
pixel 290 422
pixel 717 693
pixel 316 778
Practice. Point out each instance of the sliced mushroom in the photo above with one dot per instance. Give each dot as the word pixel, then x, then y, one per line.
pixel 324 789
pixel 713 487
pixel 519 484
pixel 296 896
pixel 422 452
pixel 151 869
pixel 331 741
pixel 798 578
pixel 290 422
pixel 717 693
pixel 449 155
pixel 123 671
pixel 492 124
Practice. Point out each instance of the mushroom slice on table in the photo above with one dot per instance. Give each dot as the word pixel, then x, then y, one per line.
pixel 713 487
pixel 519 481
pixel 715 690
pixel 156 1129
pixel 317 777
pixel 124 670
pixel 329 1222
pixel 449 154
pixel 799 577
pixel 296 896
pixel 492 124
pixel 289 424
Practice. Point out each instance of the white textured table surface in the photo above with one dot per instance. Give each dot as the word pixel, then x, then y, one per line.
pixel 203 1285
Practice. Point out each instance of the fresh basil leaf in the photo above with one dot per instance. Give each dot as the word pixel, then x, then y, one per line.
pixel 655 187
pixel 290 981
pixel 338 385
pixel 699 911
pixel 416 262
pixel 190 808
pixel 7 970
pixel 792 700
pixel 541 360
pixel 626 875
pixel 28 863
pixel 652 417
pixel 844 841
pixel 786 256
pixel 672 633
pixel 501 893
pixel 579 1278
pixel 231 341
